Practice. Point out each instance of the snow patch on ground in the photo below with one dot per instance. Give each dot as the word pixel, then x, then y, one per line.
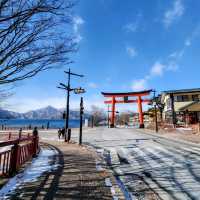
pixel 38 166
pixel 184 129
pixel 52 139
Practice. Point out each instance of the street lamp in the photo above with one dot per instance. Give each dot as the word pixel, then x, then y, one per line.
pixel 68 89
pixel 79 90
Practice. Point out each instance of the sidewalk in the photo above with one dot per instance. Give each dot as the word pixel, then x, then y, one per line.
pixel 177 134
pixel 76 176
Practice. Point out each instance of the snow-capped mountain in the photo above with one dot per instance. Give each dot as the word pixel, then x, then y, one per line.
pixel 48 112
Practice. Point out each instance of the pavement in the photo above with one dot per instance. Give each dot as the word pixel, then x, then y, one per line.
pixel 66 171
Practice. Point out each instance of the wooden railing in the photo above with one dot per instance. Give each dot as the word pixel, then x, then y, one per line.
pixel 14 153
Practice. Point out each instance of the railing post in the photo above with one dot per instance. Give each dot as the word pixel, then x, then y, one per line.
pixel 9 136
pixel 14 158
pixel 35 145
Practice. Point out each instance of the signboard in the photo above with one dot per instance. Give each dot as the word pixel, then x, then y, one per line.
pixel 126 99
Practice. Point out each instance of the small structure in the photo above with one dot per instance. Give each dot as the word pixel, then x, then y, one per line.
pixel 125 98
pixel 181 106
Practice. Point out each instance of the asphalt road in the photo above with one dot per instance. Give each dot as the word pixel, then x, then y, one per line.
pixel 149 167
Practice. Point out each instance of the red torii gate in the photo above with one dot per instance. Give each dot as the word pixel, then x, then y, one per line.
pixel 126 99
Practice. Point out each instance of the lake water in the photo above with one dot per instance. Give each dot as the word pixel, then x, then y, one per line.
pixel 37 122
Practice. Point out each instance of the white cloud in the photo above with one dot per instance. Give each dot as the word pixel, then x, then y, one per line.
pixel 174 13
pixel 77 23
pixel 92 85
pixel 131 51
pixel 194 35
pixel 157 69
pixel 188 42
pixel 139 84
pixel 172 66
pixel 133 26
pixel 78 38
pixel 177 54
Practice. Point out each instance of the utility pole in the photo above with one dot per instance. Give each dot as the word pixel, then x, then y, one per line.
pixel 155 111
pixel 69 89
pixel 81 121
pixel 108 116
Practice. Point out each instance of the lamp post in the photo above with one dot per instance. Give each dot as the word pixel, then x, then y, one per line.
pixel 68 89
pixel 80 91
pixel 81 121
pixel 155 111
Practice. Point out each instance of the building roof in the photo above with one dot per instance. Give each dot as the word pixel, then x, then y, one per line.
pixel 182 91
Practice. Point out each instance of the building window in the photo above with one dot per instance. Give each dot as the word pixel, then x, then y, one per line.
pixel 181 98
pixel 195 97
pixel 185 98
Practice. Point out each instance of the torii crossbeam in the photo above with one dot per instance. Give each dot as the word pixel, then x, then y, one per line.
pixel 125 98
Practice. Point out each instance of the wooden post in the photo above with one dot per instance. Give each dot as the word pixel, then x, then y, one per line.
pixel 141 119
pixel 35 145
pixel 9 136
pixel 14 159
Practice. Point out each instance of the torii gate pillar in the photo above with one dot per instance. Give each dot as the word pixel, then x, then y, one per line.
pixel 112 124
pixel 141 118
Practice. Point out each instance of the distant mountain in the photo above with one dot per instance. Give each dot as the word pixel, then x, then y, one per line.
pixel 48 112
pixel 5 114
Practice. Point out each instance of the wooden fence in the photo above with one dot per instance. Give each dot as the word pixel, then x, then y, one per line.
pixel 15 152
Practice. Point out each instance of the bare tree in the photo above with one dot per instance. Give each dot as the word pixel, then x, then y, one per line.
pixel 98 115
pixel 123 118
pixel 33 37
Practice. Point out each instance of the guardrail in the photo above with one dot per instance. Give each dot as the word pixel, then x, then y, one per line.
pixel 14 153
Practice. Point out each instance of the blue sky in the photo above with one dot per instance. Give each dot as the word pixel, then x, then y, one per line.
pixel 123 46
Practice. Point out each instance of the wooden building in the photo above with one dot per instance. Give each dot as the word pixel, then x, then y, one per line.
pixel 181 106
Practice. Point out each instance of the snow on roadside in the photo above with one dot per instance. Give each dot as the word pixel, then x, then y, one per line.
pixel 38 166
